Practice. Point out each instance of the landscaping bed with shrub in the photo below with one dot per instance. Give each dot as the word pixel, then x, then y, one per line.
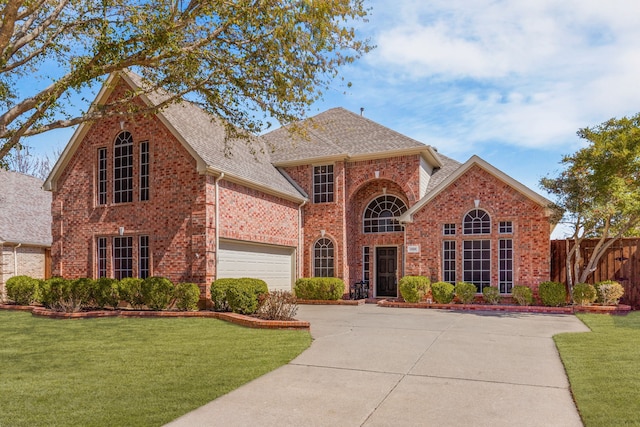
pixel 244 301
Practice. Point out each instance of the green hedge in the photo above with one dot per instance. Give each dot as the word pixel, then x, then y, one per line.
pixel 552 294
pixel 157 292
pixel 130 291
pixel 522 295
pixel 187 296
pixel 491 295
pixel 466 292
pixel 238 295
pixel 442 292
pixel 584 294
pixel 23 290
pixel 319 288
pixel 106 293
pixel 414 288
pixel 66 295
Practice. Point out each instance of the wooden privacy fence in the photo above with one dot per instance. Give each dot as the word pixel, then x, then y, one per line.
pixel 620 263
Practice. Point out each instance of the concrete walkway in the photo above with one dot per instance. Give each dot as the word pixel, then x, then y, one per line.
pixel 373 366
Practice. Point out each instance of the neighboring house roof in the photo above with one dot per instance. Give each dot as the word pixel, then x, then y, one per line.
pixel 442 184
pixel 25 210
pixel 341 134
pixel 204 136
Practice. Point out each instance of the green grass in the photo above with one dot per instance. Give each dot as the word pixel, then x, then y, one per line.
pixel 133 372
pixel 604 369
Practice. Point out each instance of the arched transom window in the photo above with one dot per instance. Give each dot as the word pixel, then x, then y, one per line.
pixel 323 257
pixel 381 215
pixel 477 222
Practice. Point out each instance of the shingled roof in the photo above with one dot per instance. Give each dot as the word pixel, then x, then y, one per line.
pixel 25 210
pixel 340 133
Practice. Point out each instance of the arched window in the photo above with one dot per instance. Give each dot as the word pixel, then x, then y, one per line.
pixel 323 258
pixel 477 222
pixel 123 168
pixel 381 215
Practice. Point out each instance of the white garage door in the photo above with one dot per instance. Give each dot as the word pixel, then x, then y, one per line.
pixel 273 264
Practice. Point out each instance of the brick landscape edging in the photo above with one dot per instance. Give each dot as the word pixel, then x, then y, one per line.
pixel 239 319
pixel 331 302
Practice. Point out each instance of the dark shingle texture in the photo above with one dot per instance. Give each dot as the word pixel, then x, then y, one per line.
pixel 448 167
pixel 336 132
pixel 25 210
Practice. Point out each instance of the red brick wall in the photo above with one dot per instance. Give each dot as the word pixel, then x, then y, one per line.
pixel 174 218
pixel 530 235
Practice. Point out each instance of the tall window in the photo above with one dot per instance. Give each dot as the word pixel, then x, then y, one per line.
pixel 102 176
pixel 449 261
pixel 366 263
pixel 323 184
pixel 381 215
pixel 122 257
pixel 123 168
pixel 143 257
pixel 476 263
pixel 505 262
pixel 144 170
pixel 102 257
pixel 323 261
pixel 477 222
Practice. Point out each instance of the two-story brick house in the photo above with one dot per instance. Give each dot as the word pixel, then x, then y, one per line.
pixel 170 194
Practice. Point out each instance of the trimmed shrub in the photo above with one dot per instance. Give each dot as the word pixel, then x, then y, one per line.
pixel 238 295
pixel 442 292
pixel 552 294
pixel 130 291
pixel 414 288
pixel 23 290
pixel 319 288
pixel 66 295
pixel 106 293
pixel 522 295
pixel 609 292
pixel 584 294
pixel 491 295
pixel 466 292
pixel 157 292
pixel 278 305
pixel 187 296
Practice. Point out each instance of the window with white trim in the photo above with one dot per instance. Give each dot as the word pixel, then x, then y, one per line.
pixel 323 258
pixel 476 263
pixel 102 176
pixel 102 257
pixel 382 213
pixel 505 227
pixel 366 263
pixel 144 171
pixel 449 261
pixel 505 266
pixel 123 168
pixel 449 229
pixel 476 222
pixel 323 184
pixel 122 257
pixel 143 257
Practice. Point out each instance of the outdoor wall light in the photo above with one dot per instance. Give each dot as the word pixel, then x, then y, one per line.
pixel 121 230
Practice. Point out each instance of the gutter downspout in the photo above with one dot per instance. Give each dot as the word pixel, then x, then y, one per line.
pixel 15 259
pixel 218 179
pixel 300 241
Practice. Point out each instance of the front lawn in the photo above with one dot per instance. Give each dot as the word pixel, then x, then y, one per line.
pixel 127 371
pixel 604 369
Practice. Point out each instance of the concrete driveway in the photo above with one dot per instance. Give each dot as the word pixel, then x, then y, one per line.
pixel 374 366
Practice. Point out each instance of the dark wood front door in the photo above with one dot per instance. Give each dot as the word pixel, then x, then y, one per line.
pixel 386 268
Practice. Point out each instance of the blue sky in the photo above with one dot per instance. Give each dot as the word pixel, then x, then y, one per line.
pixel 510 81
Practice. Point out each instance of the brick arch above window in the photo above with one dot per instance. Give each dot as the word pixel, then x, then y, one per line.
pixel 476 221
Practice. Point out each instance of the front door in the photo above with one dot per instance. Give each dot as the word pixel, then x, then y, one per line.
pixel 386 268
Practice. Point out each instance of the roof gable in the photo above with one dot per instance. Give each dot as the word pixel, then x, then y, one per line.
pixel 341 134
pixel 25 210
pixel 443 184
pixel 245 161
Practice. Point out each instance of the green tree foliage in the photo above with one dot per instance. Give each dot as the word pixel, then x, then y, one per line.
pixel 242 60
pixel 599 191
